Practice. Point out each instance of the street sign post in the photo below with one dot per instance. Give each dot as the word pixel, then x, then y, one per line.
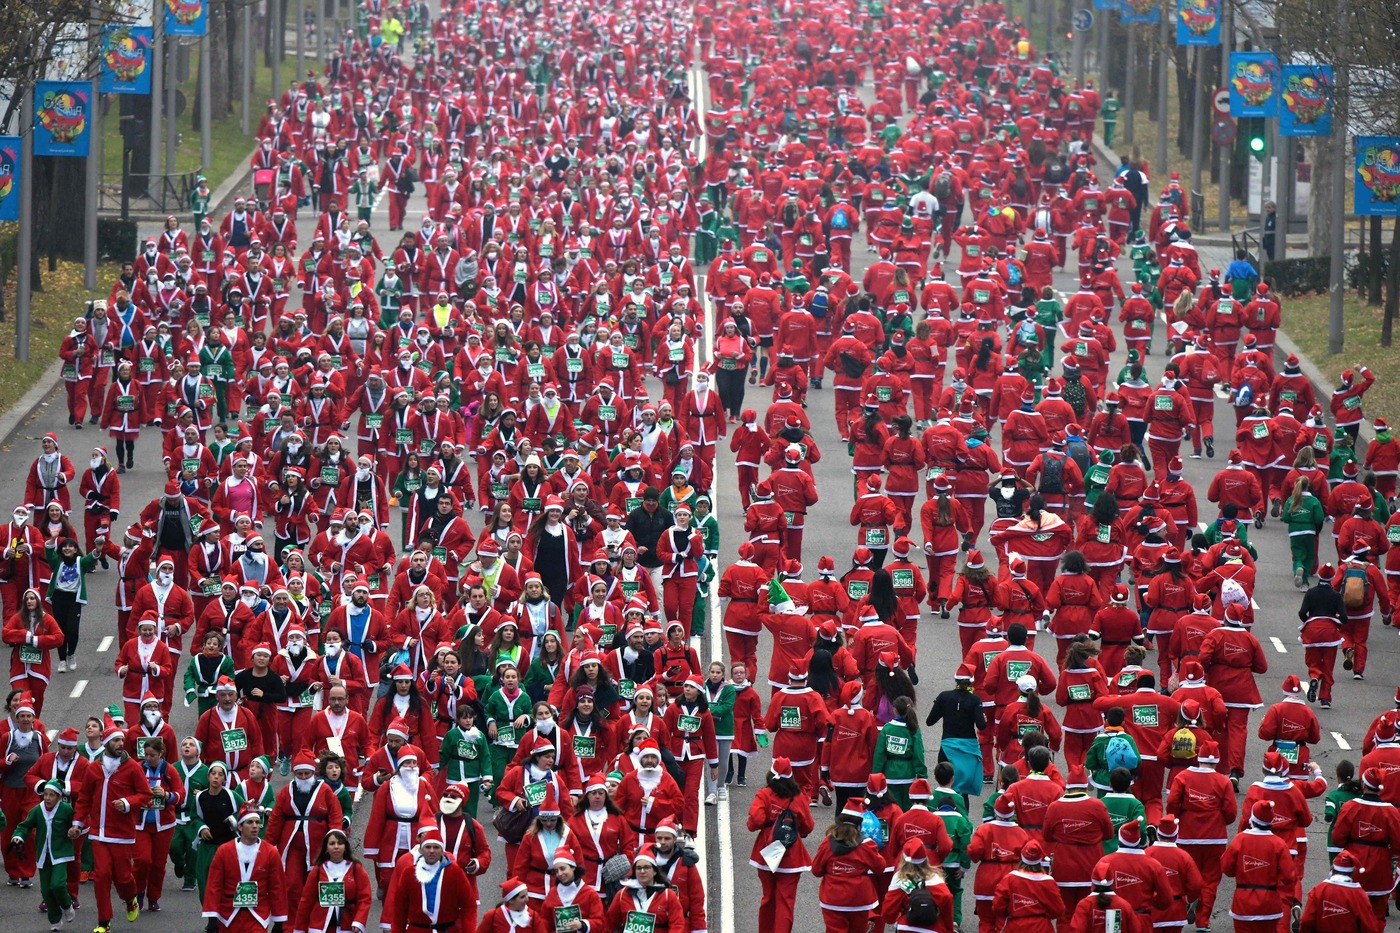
pixel 1220 101
pixel 1222 131
pixel 1083 20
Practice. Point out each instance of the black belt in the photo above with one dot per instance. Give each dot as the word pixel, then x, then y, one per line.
pixel 1256 887
pixel 735 599
pixel 1368 842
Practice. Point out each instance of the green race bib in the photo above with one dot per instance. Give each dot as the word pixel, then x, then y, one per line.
pixel 1145 715
pixel 564 915
pixel 374 422
pixel 876 537
pixel 246 894
pixel 30 654
pixel 235 740
pixel 638 922
pixel 585 746
pixel 903 579
pixel 688 724
pixel 189 465
pixel 858 589
pixel 1080 693
pixel 897 745
pixel 534 793
pixel 330 893
pixel 1015 670
pixel 627 689
pixel 790 718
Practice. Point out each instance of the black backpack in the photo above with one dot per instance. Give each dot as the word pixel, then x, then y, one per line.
pixel 1052 474
pixel 921 911
pixel 785 829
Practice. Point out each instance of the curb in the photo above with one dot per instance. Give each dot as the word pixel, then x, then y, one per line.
pixel 14 420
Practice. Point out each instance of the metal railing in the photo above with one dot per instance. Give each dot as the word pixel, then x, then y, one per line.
pixel 1247 241
pixel 164 194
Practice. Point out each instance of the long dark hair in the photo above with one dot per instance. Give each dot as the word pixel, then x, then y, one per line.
pixel 322 857
pixel 882 598
pixel 821 676
pixel 1105 510
pixel 984 355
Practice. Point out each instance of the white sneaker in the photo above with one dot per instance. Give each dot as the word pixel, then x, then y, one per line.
pixel 723 792
pixel 69 915
pixel 709 800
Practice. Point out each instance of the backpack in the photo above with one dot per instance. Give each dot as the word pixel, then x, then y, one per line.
pixel 1119 752
pixel 1354 587
pixel 1184 744
pixel 840 220
pixel 1052 475
pixel 785 829
pixel 943 187
pixel 819 304
pixel 852 367
pixel 921 911
pixel 871 829
pixel 1078 451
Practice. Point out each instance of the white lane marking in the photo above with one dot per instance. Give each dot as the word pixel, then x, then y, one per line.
pixel 1278 645
pixel 105 644
pixel 78 689
pixel 1203 526
pixel 359 792
pixel 1253 605
pixel 724 895
pixel 1341 741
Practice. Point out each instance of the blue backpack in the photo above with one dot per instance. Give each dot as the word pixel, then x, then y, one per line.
pixel 840 220
pixel 1119 752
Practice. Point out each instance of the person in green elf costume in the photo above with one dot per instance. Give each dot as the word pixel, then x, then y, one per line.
pixel 465 757
pixel 48 823
pixel 258 789
pixel 899 751
pixel 195 774
pixel 950 807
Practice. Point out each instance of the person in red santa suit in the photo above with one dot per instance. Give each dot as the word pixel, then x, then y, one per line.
pixel 1339 904
pixel 1182 873
pixel 648 895
pixel 246 891
pixel 1369 826
pixel 228 732
pixel 849 867
pixel 995 847
pixel 778 879
pixel 600 830
pixel 466 843
pixel 114 790
pixel 1137 877
pixel 568 891
pixel 1075 828
pixel 1203 802
pixel 1231 657
pixel 337 895
pixel 1027 899
pixel 1262 867
pixel 23 743
pixel 402 805
pixel 301 814
pixel 648 795
pixel 1093 912
pixel 798 720
pixel 429 890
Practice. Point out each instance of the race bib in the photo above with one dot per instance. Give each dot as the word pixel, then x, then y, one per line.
pixel 585 746
pixel 234 740
pixel 189 465
pixel 214 370
pixel 897 745
pixel 30 654
pixel 1161 403
pixel 858 589
pixel 688 724
pixel 1105 534
pixel 1015 670
pixel 403 437
pixel 331 893
pixel 440 553
pixel 876 537
pixel 638 922
pixel 1352 403
pixel 677 354
pixel 574 365
pixel 466 751
pixel 499 491
pixel 373 422
pixel 627 689
pixel 531 503
pixel 884 393
pixel 1145 716
pixel 126 403
pixel 790 717
pixel 146 364
pixel 246 894
pixel 607 412
pixel 903 579
pixel 1080 693
pixel 330 475
pixel 534 793
pixel 534 371
pixel 212 588
pixel 728 363
pixel 564 915
pixel 1259 431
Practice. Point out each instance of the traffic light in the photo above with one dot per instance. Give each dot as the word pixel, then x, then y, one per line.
pixel 1256 140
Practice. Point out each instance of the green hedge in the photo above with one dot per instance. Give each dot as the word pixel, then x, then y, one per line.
pixel 116 238
pixel 1293 277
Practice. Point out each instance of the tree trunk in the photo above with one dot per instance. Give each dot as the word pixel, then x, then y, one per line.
pixel 57 215
pixel 1185 90
pixel 219 97
pixel 1392 286
pixel 1373 295
pixel 1320 198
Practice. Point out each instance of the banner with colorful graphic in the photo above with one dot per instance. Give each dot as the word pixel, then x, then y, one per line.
pixel 1305 100
pixel 126 60
pixel 1108 5
pixel 1198 22
pixel 62 118
pixel 186 18
pixel 1143 12
pixel 1377 186
pixel 9 177
pixel 1253 83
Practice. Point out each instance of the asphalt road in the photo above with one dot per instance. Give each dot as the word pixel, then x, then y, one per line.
pixel 725 844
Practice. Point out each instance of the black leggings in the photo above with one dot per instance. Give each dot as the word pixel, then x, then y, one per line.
pixel 730 383
pixel 69 614
pixel 130 451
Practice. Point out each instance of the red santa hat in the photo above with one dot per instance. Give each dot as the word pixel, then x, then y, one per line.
pixel 782 767
pixel 1208 752
pixel 397 728
pixel 1262 816
pixel 1292 686
pixel 304 760
pixel 1005 808
pixel 920 790
pixel 550 805
pixel 914 852
pixel 975 560
pixel 1130 835
pixel 1032 853
pixel 965 672
pixel 512 888
pixel 248 811
pixel 1344 863
pixel 876 785
pixel 1372 780
pixel 854 809
pixel 68 737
